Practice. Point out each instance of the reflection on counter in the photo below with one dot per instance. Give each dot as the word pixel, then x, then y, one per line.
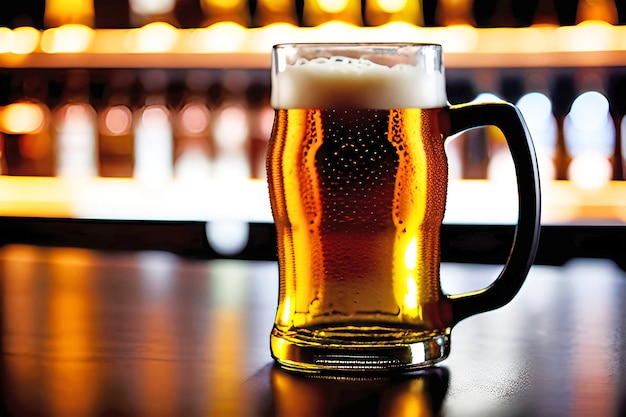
pixel 133 333
pixel 418 394
pixel 592 313
pixel 149 334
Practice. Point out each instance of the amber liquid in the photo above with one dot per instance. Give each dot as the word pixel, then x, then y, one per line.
pixel 358 197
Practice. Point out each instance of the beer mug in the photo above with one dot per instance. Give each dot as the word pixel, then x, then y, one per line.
pixel 358 176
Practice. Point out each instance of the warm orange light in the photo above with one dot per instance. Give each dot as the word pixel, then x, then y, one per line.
pixel 67 38
pixel 153 37
pixel 534 40
pixel 317 12
pixel 222 4
pixel 61 12
pixel 233 38
pixel 6 40
pixel 262 39
pixel 34 196
pixel 25 40
pixel 603 10
pixel 276 6
pixel 220 37
pixel 392 6
pixel 21 118
pixel 459 38
pixel 332 6
pixel 333 30
pixel 587 36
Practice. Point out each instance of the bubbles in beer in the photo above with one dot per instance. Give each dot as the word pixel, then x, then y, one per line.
pixel 356 167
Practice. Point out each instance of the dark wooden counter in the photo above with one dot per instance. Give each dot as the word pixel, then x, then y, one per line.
pixel 93 333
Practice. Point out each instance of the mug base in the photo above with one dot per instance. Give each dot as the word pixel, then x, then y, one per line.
pixel 350 357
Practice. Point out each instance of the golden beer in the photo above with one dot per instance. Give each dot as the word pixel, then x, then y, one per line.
pixel 358 197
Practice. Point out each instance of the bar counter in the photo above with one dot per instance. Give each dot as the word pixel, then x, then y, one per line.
pixel 90 332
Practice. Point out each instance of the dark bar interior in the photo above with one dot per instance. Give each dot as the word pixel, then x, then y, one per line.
pixel 138 253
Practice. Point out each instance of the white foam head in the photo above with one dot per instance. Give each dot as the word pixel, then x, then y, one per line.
pixel 348 82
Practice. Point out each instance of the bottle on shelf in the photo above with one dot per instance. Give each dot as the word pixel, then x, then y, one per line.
pixel 563 90
pixel 589 134
pixel 62 12
pixel 498 164
pixel 317 12
pixel 154 143
pixel 268 12
pixel 27 148
pixel 536 108
pixel 192 131
pixel 600 10
pixel 236 11
pixel 231 129
pixel 379 12
pixel 115 126
pixel 468 151
pixel 454 12
pixel 143 12
pixel 75 129
pixel 231 165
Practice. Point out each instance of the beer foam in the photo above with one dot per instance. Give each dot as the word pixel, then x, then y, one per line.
pixel 358 83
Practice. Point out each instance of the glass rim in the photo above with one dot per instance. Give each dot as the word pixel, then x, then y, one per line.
pixel 355 44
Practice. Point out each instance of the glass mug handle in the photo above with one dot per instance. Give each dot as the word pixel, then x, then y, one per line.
pixel 508 119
